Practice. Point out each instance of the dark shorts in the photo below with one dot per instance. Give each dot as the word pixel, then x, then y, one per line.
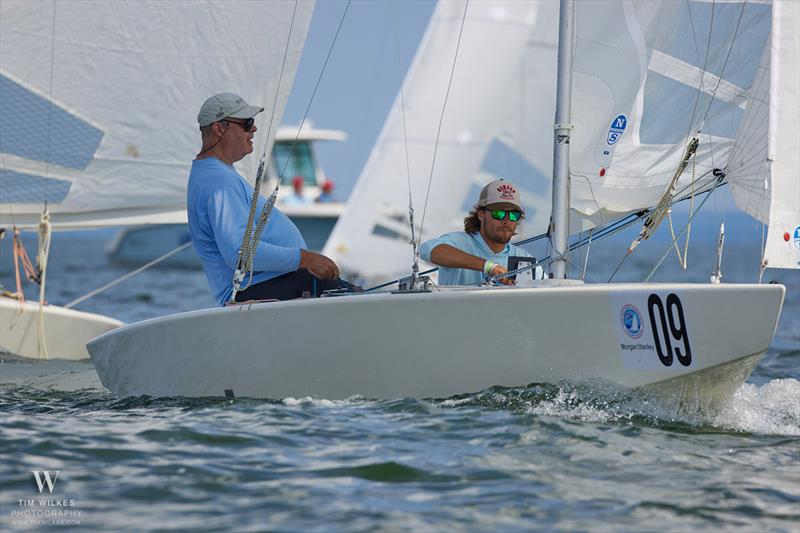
pixel 290 286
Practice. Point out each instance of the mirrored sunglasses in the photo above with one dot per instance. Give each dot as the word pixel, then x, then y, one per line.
pixel 500 214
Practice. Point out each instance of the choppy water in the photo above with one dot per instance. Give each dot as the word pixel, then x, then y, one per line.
pixel 543 457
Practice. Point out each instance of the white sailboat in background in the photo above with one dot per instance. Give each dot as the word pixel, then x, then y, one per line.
pixel 698 342
pixel 498 123
pixel 98 105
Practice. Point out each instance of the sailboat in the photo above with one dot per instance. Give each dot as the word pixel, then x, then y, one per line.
pixel 618 65
pixel 98 105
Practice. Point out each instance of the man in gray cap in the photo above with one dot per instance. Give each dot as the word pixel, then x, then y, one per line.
pixel 218 205
pixel 482 249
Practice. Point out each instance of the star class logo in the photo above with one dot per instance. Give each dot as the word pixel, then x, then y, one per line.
pixel 631 320
pixel 507 192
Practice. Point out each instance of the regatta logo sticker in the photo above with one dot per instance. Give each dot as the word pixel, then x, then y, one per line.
pixel 631 320
pixel 617 129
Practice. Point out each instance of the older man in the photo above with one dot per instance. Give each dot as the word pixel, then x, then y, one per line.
pixel 218 204
pixel 482 249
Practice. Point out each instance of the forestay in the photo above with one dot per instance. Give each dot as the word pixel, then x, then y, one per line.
pixel 497 122
pixel 98 100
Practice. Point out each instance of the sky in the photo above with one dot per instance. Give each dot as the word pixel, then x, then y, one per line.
pixel 361 80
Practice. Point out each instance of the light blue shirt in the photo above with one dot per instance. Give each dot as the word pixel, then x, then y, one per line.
pixel 472 244
pixel 218 206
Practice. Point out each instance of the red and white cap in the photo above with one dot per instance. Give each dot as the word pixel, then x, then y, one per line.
pixel 500 192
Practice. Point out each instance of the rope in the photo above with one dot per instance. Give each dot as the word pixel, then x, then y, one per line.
pixel 41 264
pixel 246 249
pixel 669 248
pixel 246 255
pixel 683 261
pixel 21 256
pixel 119 280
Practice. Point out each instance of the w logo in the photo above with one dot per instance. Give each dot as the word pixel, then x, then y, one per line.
pixel 51 483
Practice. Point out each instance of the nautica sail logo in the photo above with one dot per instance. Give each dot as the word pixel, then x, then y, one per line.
pixel 43 478
pixel 617 128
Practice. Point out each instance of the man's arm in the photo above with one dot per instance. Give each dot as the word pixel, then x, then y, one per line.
pixel 450 256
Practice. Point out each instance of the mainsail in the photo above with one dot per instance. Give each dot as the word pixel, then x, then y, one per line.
pixel 497 123
pixel 98 100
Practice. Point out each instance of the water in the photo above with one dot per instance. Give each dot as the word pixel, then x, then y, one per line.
pixel 542 457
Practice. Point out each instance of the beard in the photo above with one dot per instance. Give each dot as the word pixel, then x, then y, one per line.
pixel 500 235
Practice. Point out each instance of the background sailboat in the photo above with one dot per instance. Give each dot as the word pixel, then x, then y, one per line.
pixel 98 105
pixel 497 123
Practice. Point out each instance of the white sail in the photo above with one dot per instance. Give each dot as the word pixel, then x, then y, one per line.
pixel 647 77
pixel 497 122
pixel 765 168
pixel 98 100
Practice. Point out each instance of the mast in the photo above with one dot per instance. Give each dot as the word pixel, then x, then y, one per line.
pixel 559 223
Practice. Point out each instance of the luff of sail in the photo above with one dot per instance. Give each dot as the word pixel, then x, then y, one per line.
pixel 764 170
pixel 98 100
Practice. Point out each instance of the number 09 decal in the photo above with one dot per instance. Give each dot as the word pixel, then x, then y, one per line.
pixel 666 331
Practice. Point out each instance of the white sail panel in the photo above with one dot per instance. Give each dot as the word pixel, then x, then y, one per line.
pixel 782 248
pixel 647 77
pixel 98 100
pixel 498 122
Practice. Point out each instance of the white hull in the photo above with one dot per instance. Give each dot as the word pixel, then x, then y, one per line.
pixel 445 343
pixel 66 331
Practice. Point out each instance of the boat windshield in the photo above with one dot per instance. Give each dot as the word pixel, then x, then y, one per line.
pixel 291 162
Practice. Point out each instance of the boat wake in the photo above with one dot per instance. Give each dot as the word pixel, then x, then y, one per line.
pixel 771 408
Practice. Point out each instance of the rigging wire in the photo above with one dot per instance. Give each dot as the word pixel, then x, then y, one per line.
pixel 50 104
pixel 441 117
pixel 249 245
pixel 415 251
pixel 245 253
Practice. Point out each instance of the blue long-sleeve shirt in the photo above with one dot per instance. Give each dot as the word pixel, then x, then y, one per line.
pixel 472 244
pixel 218 205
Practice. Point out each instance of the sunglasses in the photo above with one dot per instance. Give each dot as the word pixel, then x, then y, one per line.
pixel 247 125
pixel 500 214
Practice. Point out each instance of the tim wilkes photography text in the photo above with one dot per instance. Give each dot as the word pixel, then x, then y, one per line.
pixel 49 508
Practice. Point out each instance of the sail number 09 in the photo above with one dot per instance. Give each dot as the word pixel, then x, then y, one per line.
pixel 667 332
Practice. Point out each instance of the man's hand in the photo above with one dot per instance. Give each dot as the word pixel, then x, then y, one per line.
pixel 319 265
pixel 500 269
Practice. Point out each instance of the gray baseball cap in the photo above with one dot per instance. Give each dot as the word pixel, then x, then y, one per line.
pixel 225 105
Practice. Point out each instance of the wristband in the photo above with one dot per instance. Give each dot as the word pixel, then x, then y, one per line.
pixel 488 266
